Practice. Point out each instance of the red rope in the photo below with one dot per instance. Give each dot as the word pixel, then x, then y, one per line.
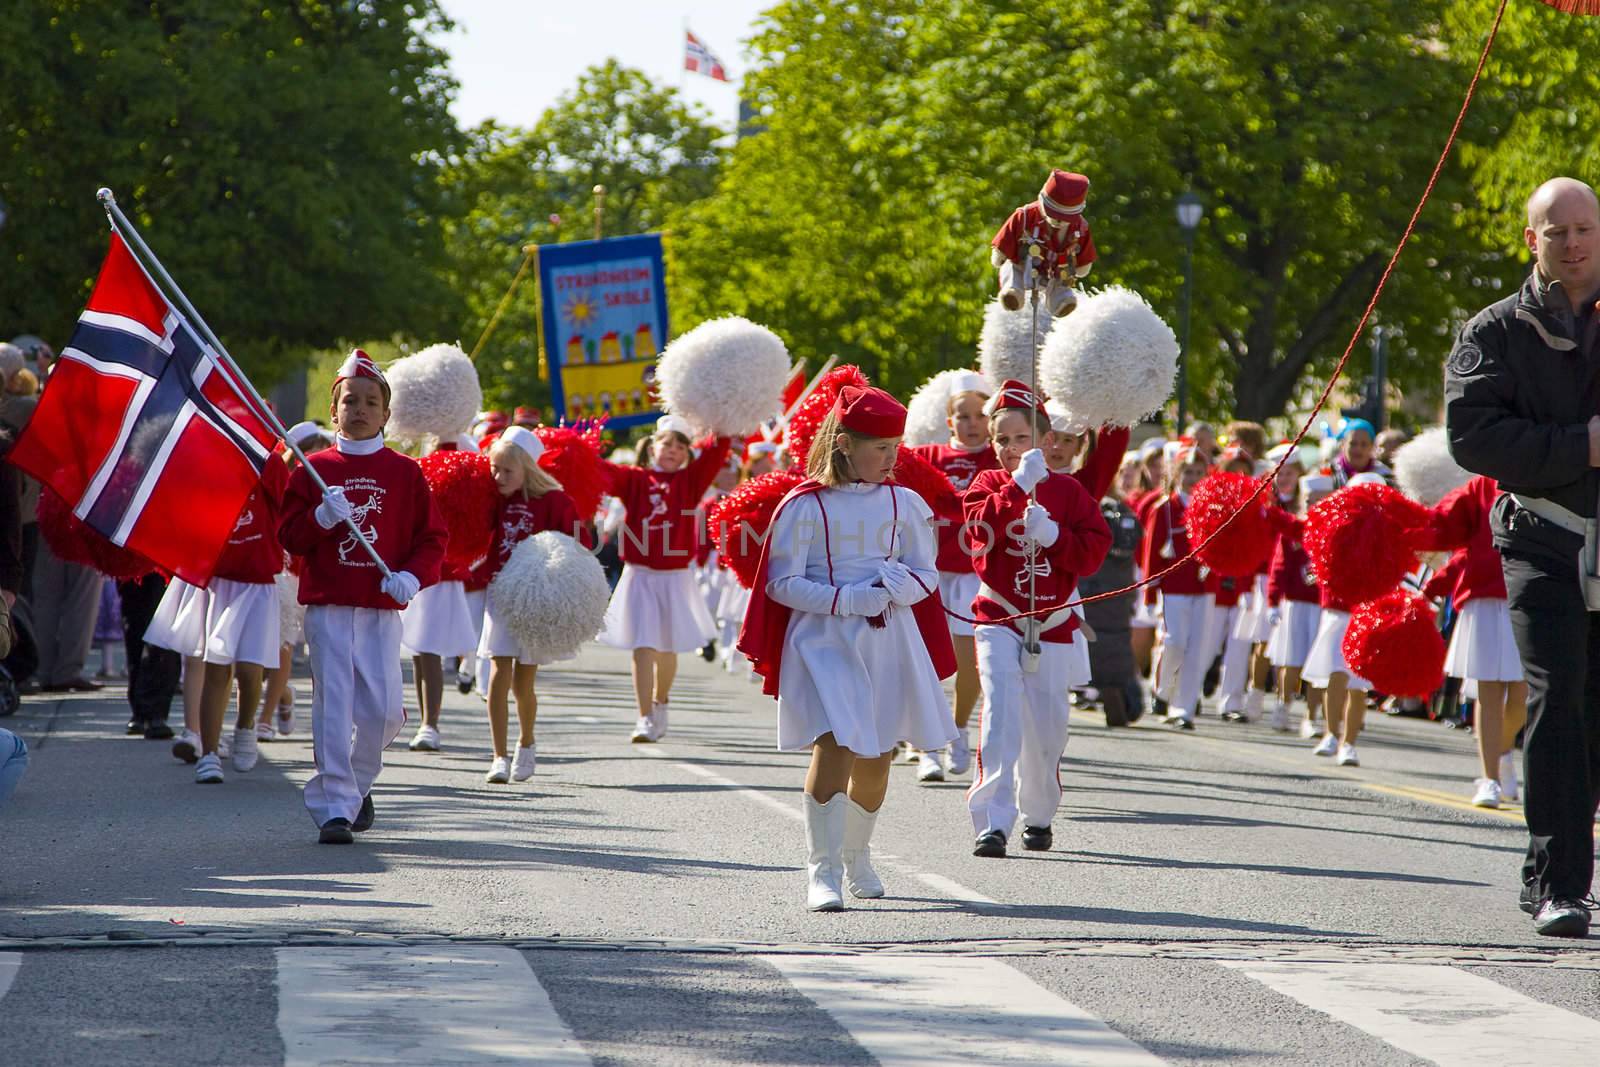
pixel 1267 479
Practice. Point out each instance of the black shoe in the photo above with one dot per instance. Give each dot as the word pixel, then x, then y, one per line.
pixel 709 653
pixel 157 731
pixel 365 816
pixel 990 844
pixel 1178 722
pixel 464 683
pixel 83 685
pixel 1529 898
pixel 1561 917
pixel 1158 708
pixel 1234 716
pixel 1038 838
pixel 336 832
pixel 135 727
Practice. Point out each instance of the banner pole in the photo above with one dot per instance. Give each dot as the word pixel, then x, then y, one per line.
pixel 124 228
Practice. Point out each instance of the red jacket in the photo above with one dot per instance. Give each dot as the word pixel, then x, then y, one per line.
pixel 662 526
pixel 517 519
pixel 1028 222
pixel 993 508
pixel 1166 516
pixel 253 553
pixel 1289 574
pixel 392 504
pixel 960 466
pixel 1461 521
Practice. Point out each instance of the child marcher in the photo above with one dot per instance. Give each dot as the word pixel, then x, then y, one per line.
pixel 1295 602
pixel 1185 597
pixel 846 627
pixel 1031 534
pixel 352 610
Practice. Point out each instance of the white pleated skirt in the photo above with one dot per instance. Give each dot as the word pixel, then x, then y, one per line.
pixel 229 622
pixel 1293 634
pixel 1483 647
pixel 663 610
pixel 869 688
pixel 1254 623
pixel 1327 653
pixel 958 591
pixel 438 622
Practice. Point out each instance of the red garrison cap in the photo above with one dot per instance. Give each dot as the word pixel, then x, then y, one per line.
pixel 360 365
pixel 870 412
pixel 1063 194
pixel 1015 395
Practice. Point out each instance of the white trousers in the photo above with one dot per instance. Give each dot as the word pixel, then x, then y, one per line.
pixel 1186 650
pixel 356 707
pixel 1024 732
pixel 1235 658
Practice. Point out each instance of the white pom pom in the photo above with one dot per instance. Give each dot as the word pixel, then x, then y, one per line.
pixel 434 391
pixel 291 613
pixel 726 376
pixel 1005 347
pixel 1425 470
pixel 927 416
pixel 552 594
pixel 1113 361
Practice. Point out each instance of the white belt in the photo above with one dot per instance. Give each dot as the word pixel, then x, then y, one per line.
pixel 1552 512
pixel 1046 622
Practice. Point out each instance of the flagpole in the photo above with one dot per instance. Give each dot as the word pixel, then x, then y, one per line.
pixel 125 228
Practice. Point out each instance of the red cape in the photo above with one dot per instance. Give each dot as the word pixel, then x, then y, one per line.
pixel 766 622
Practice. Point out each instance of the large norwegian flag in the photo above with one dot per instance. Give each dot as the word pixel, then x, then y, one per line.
pixel 143 430
pixel 698 59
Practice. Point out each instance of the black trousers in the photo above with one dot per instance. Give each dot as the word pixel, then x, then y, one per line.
pixel 153 673
pixel 1559 641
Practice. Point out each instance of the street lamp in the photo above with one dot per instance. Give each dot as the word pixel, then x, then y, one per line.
pixel 1190 209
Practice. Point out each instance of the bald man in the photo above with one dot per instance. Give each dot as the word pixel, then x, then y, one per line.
pixel 1522 406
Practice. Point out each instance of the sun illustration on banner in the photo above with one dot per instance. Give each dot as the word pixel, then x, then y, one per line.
pixel 578 311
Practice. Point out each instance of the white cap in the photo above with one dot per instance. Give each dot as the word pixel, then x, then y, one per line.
pixel 674 424
pixel 1152 446
pixel 970 382
pixel 1316 483
pixel 524 439
pixel 302 430
pixel 1367 478
pixel 1277 452
pixel 1170 450
pixel 763 448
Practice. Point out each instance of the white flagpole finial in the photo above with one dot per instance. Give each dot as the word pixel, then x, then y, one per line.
pixel 105 195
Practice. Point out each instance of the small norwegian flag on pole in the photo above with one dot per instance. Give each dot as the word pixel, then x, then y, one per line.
pixel 698 59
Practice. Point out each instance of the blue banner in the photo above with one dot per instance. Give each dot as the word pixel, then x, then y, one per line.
pixel 605 321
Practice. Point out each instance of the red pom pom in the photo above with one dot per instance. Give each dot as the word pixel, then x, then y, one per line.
pixel 71 540
pixel 572 457
pixel 467 497
pixel 739 521
pixel 1394 643
pixel 1249 539
pixel 922 478
pixel 1360 541
pixel 803 426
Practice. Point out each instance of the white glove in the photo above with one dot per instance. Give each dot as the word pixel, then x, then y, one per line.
pixel 1031 471
pixel 1039 527
pixel 903 587
pixel 1274 615
pixel 863 598
pixel 334 509
pixel 401 586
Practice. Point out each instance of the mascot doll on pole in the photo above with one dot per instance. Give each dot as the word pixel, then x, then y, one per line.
pixel 1046 243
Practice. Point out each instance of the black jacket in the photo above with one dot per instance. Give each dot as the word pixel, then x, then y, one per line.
pixel 1520 386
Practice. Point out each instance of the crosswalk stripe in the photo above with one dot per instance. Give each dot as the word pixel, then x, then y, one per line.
pixel 1442 1014
pixel 393 1006
pixel 10 964
pixel 907 1010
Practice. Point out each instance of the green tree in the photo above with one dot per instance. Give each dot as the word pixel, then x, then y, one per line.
pixel 511 187
pixel 281 158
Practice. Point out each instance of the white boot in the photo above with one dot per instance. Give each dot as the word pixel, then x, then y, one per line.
pixel 825 830
pixel 858 873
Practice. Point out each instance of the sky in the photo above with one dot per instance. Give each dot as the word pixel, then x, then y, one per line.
pixel 514 58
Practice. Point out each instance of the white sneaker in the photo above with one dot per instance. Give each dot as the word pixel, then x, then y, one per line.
pixel 209 770
pixel 1309 729
pixel 522 766
pixel 1487 794
pixel 224 749
pixel 187 746
pixel 1347 756
pixel 286 712
pixel 1327 746
pixel 1279 718
pixel 245 752
pixel 427 739
pixel 645 732
pixel 1254 703
pixel 499 771
pixel 930 768
pixel 1509 789
pixel 658 716
pixel 265 732
pixel 911 755
pixel 961 754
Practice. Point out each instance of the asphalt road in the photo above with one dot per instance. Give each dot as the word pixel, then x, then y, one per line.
pixel 1222 896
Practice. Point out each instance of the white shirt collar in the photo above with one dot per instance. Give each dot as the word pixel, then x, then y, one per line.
pixel 349 447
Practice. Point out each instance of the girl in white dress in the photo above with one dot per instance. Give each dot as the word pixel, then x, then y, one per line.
pixel 833 629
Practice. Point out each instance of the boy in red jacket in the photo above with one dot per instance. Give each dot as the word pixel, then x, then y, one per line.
pixel 1028 529
pixel 352 610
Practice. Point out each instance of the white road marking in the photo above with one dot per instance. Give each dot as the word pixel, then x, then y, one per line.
pixel 439 1007
pixel 10 964
pixel 917 1010
pixel 1442 1014
pixel 937 882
